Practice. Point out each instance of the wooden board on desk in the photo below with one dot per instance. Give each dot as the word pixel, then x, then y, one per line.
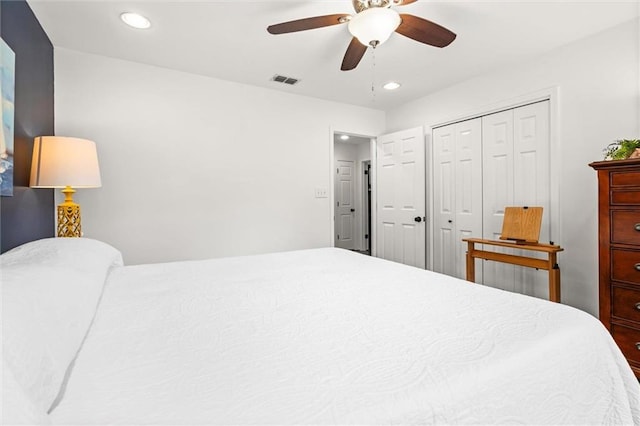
pixel 522 224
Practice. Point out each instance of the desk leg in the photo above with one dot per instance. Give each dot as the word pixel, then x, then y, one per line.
pixel 554 279
pixel 554 284
pixel 471 263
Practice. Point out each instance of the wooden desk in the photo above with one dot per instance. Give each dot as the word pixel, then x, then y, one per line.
pixel 550 264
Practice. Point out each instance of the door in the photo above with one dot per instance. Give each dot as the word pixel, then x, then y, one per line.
pixel 497 138
pixel 444 243
pixel 468 199
pixel 516 173
pixel 457 179
pixel 366 205
pixel 345 204
pixel 531 181
pixel 400 179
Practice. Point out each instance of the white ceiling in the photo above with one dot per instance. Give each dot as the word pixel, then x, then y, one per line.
pixel 353 139
pixel 227 39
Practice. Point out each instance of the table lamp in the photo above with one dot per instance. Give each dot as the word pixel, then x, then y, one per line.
pixel 63 162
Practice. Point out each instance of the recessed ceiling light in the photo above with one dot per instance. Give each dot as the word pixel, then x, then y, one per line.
pixel 135 20
pixel 344 137
pixel 392 85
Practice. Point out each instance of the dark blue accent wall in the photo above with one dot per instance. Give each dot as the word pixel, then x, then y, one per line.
pixel 29 214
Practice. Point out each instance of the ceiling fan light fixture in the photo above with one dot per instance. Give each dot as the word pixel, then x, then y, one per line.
pixel 374 26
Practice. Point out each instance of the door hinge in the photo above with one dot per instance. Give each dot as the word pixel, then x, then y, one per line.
pixel 338 203
pixel 366 172
pixel 338 236
pixel 337 171
pixel 366 236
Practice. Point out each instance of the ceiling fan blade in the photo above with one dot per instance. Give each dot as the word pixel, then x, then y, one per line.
pixel 424 31
pixel 354 54
pixel 308 23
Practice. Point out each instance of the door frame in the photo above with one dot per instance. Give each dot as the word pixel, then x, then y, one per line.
pixel 332 195
pixel 550 94
pixel 367 229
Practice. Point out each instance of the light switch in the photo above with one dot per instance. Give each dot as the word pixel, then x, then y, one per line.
pixel 321 193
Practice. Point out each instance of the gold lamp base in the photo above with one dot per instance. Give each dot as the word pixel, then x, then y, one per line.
pixel 69 216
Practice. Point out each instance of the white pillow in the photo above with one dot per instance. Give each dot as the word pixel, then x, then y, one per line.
pixel 50 292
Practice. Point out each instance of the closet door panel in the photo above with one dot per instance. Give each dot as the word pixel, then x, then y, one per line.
pixel 444 259
pixel 531 181
pixel 531 159
pixel 468 190
pixel 497 177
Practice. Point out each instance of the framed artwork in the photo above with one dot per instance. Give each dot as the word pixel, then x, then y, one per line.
pixel 7 98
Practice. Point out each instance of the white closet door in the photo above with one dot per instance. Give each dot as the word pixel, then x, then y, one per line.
pixel 400 178
pixel 457 194
pixel 531 159
pixel 345 204
pixel 468 190
pixel 444 243
pixel 516 173
pixel 497 153
pixel 531 182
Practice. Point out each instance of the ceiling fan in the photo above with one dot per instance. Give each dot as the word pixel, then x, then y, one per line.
pixel 372 25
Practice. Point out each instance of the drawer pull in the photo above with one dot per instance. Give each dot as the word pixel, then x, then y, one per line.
pixel 637 227
pixel 638 346
pixel 637 266
pixel 638 306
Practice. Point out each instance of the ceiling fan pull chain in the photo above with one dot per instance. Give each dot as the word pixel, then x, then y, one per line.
pixel 373 77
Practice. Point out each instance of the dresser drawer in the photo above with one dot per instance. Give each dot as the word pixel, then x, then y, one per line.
pixel 626 178
pixel 625 197
pixel 625 265
pixel 628 340
pixel 625 226
pixel 625 303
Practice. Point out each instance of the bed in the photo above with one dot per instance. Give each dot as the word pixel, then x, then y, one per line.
pixel 322 336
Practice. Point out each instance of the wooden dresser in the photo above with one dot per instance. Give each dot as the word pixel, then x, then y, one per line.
pixel 619 253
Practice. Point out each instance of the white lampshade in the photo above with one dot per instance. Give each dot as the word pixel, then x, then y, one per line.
pixel 375 25
pixel 62 161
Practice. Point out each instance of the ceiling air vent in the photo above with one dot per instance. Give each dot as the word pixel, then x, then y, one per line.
pixel 284 79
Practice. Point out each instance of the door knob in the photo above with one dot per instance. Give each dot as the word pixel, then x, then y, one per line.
pixel 353 210
pixel 417 219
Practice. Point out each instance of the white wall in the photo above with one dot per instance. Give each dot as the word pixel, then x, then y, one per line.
pixel 194 167
pixel 598 82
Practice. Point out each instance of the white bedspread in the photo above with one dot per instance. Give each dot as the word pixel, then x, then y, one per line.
pixel 328 336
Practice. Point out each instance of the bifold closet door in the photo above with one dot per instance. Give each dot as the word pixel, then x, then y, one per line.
pixel 457 179
pixel 515 151
pixel 497 176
